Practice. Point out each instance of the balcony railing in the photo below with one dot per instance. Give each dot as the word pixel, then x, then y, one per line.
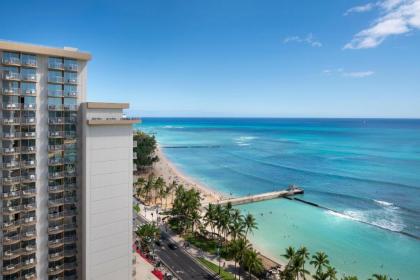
pixel 11 165
pixel 55 228
pixel 10 224
pixel 29 206
pixel 12 209
pixel 55 270
pixel 29 192
pixel 11 180
pixel 70 94
pixel 55 147
pixel 55 175
pixel 10 121
pixel 28 77
pixel 11 150
pixel 55 93
pixel 10 91
pixel 56 188
pixel 29 62
pixel 28 178
pixel 71 67
pixel 70 107
pixel 55 107
pixel 54 202
pixel 56 120
pixel 55 161
pixel 11 61
pixel 29 220
pixel 71 81
pixel 29 134
pixel 30 92
pixel 28 235
pixel 56 215
pixel 70 134
pixel 56 65
pixel 28 149
pixel 57 255
pixel 28 120
pixel 28 106
pixel 57 80
pixel 11 239
pixel 28 163
pixel 70 120
pixel 58 134
pixel 11 106
pixel 10 194
pixel 13 76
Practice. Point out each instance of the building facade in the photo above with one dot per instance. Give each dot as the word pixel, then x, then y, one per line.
pixel 41 174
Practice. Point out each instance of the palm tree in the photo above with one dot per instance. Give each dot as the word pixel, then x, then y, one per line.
pixel 319 260
pixel 148 186
pixel 209 217
pixel 331 273
pixel 250 224
pixel 290 254
pixel 239 247
pixel 253 262
pixel 158 185
pixel 236 229
pixel 349 278
pixel 303 253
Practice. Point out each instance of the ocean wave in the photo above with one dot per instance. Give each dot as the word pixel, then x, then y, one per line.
pixel 394 224
pixel 173 126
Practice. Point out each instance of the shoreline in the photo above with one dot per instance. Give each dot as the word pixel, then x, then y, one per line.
pixel 166 169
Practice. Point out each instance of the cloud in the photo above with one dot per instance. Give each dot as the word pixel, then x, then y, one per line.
pixel 360 9
pixel 361 74
pixel 341 72
pixel 309 40
pixel 397 17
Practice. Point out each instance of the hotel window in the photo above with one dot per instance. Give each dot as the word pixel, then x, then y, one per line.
pixel 28 87
pixel 70 77
pixel 11 69
pixel 55 62
pixel 54 101
pixel 29 100
pixel 10 85
pixel 71 64
pixel 28 59
pixel 70 90
pixel 28 73
pixel 55 90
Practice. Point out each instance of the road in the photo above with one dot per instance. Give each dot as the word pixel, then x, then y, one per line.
pixel 179 261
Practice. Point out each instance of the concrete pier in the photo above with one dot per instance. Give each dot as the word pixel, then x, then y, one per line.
pixel 261 197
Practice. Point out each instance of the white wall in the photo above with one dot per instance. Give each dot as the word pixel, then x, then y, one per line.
pixel 107 201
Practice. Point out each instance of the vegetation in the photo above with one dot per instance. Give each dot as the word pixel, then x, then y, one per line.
pixel 154 190
pixel 146 151
pixel 147 233
pixel 215 268
pixel 295 268
pixel 185 209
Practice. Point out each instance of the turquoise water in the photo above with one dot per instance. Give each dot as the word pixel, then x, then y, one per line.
pixel 367 170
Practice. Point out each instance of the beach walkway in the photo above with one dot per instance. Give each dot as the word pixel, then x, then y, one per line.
pixel 261 197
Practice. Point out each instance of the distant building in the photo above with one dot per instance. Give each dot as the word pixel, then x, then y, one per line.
pixel 66 170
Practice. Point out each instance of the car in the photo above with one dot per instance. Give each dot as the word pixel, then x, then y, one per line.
pixel 172 246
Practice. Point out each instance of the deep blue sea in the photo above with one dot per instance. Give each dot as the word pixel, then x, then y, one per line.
pixel 368 170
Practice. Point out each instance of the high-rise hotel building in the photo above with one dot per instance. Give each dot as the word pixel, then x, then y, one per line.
pixel 63 163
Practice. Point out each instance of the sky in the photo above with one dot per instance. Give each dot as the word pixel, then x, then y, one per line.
pixel 237 58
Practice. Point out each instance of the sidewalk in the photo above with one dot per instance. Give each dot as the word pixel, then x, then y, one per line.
pixel 143 269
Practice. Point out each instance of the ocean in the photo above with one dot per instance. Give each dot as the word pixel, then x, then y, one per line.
pixel 365 172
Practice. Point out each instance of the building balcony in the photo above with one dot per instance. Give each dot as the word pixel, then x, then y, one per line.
pixel 70 265
pixel 29 276
pixel 56 120
pixel 10 91
pixel 29 107
pixel 56 66
pixel 11 254
pixel 71 81
pixel 11 150
pixel 29 92
pixel 52 148
pixel 53 107
pixel 56 256
pixel 71 226
pixel 70 239
pixel 70 135
pixel 70 173
pixel 28 149
pixel 55 161
pixel 70 107
pixel 29 63
pixel 55 202
pixel 56 189
pixel 28 235
pixel 12 209
pixel 28 135
pixel 11 165
pixel 70 252
pixel 11 180
pixel 55 93
pixel 29 178
pixel 54 229
pixel 56 270
pixel 10 224
pixel 28 77
pixel 29 193
pixel 70 94
pixel 29 249
pixel 56 80
pixel 28 121
pixel 56 243
pixel 55 216
pixel 11 76
pixel 11 106
pixel 10 121
pixel 9 240
pixel 56 175
pixel 28 264
pixel 70 120
pixel 56 134
pixel 29 207
pixel 28 163
pixel 12 61
pixel 10 195
pixel 11 269
pixel 71 67
pixel 29 221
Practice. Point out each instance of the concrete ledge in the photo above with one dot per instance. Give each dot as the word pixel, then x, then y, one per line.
pixel 42 50
pixel 104 105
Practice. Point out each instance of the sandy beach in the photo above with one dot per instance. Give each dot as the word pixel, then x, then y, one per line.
pixel 166 169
